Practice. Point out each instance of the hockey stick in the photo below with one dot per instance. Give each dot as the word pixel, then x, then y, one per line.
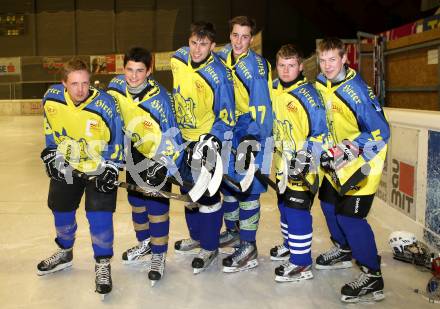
pixel 147 191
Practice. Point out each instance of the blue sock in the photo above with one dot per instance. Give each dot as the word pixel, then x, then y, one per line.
pixel 283 222
pixel 139 215
pixel 249 217
pixel 332 223
pixel 360 237
pixel 300 235
pixel 101 232
pixel 159 224
pixel 210 225
pixel 231 211
pixel 65 225
pixel 192 217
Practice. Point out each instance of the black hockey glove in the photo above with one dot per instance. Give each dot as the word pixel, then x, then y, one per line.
pixel 248 145
pixel 204 152
pixel 106 181
pixel 300 165
pixel 54 163
pixel 156 174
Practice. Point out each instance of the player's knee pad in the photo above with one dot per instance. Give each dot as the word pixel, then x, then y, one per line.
pixel 355 206
pixel 65 225
pixel 206 209
pixel 101 229
pixel 301 200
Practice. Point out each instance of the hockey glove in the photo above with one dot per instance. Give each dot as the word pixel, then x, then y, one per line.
pixel 300 165
pixel 337 157
pixel 107 181
pixel 248 146
pixel 204 152
pixel 54 163
pixel 155 174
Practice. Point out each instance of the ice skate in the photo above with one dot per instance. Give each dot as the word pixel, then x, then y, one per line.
pixel 103 277
pixel 244 258
pixel 203 260
pixel 279 253
pixel 157 267
pixel 229 241
pixel 367 288
pixel 187 246
pixel 138 254
pixel 58 261
pixel 289 272
pixel 335 258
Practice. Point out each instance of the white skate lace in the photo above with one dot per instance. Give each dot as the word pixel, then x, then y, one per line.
pixel 139 249
pixel 281 249
pixel 287 266
pixel 157 262
pixel 55 257
pixel 359 282
pixel 102 272
pixel 332 253
pixel 242 252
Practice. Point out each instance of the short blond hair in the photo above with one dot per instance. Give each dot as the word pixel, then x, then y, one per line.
pixel 74 64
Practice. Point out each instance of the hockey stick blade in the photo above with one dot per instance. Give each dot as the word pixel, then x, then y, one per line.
pixel 248 178
pixel 216 179
pixel 200 185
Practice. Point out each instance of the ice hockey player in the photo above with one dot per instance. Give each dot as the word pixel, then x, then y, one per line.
pixel 83 132
pixel 152 142
pixel 252 81
pixel 204 107
pixel 357 145
pixel 299 128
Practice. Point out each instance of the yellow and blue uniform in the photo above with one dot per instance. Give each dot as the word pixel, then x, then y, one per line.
pixel 203 103
pixel 299 124
pixel 150 125
pixel 85 135
pixel 203 96
pixel 354 114
pixel 252 82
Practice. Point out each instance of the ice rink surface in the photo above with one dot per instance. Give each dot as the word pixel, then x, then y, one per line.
pixel 27 234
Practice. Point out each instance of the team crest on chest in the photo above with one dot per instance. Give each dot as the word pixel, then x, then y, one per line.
pixel 199 86
pixel 291 107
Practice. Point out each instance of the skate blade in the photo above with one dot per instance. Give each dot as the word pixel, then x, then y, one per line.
pixel 102 296
pixel 198 270
pixel 346 264
pixel 153 282
pixel 58 268
pixel 369 298
pixel 249 265
pixel 279 258
pixel 304 276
